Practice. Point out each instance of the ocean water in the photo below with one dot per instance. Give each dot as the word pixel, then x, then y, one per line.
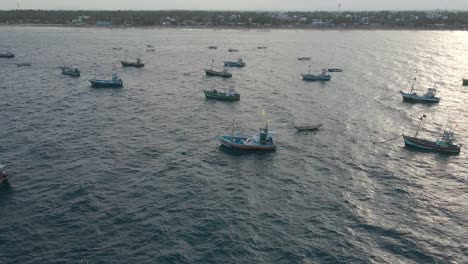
pixel 135 175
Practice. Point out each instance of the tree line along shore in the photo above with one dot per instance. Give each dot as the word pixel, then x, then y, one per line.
pixel 436 19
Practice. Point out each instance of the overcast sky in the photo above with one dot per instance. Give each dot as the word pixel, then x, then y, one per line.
pixel 301 5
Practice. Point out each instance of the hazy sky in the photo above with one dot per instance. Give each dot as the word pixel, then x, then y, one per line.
pixel 305 5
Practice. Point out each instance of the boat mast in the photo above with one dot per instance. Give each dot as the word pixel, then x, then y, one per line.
pixel 232 129
pixel 421 119
pixel 412 86
pixel 309 69
pixel 212 62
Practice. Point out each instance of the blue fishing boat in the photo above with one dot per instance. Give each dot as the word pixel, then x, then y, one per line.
pixel 239 63
pixel 264 140
pixel 428 97
pixel 70 70
pixel 7 55
pixel 230 95
pixel 443 145
pixel 320 77
pixel 115 82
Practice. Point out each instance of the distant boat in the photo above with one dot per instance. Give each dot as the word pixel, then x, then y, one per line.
pixel 224 73
pixel 239 63
pixel 230 95
pixel 137 64
pixel 70 70
pixel 443 145
pixel 115 82
pixel 304 58
pixel 303 127
pixel 117 48
pixel 7 55
pixel 4 177
pixel 233 50
pixel 23 64
pixel 149 46
pixel 428 97
pixel 465 81
pixel 320 77
pixel 263 140
pixel 334 70
pixel 261 47
pixel 213 47
pixel 150 50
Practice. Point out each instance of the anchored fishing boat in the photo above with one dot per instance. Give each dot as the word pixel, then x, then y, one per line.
pixel 23 64
pixel 320 77
pixel 224 73
pixel 115 82
pixel 230 95
pixel 70 70
pixel 428 97
pixel 261 47
pixel 7 55
pixel 304 58
pixel 233 50
pixel 465 81
pixel 443 145
pixel 117 48
pixel 150 50
pixel 264 140
pixel 334 70
pixel 213 47
pixel 239 63
pixel 305 127
pixel 150 46
pixel 4 177
pixel 137 64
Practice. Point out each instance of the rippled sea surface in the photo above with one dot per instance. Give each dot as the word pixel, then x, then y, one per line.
pixel 135 175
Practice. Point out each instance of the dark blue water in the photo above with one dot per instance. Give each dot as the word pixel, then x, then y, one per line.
pixel 134 175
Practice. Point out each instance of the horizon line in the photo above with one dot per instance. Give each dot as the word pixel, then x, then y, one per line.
pixel 246 10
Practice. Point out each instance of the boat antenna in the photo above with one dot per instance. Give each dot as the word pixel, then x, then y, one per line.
pixel 232 129
pixel 421 119
pixel 309 69
pixel 412 86
pixel 212 62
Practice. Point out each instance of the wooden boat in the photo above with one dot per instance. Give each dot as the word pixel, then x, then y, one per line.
pixel 224 73
pixel 239 63
pixel 465 81
pixel 137 64
pixel 7 55
pixel 70 70
pixel 230 95
pixel 334 70
pixel 320 77
pixel 443 145
pixel 115 82
pixel 307 127
pixel 428 97
pixel 264 140
pixel 304 58
pixel 213 47
pixel 233 50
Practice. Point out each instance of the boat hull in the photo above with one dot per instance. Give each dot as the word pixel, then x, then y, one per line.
pixel 311 78
pixel 307 128
pixel 132 64
pixel 7 56
pixel 217 96
pixel 72 74
pixel 334 70
pixel 428 145
pixel 234 64
pixel 217 73
pixel 411 98
pixel 106 84
pixel 465 82
pixel 236 143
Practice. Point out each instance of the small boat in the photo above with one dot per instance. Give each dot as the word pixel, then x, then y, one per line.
pixel 7 55
pixel 23 64
pixel 334 70
pixel 117 48
pixel 4 177
pixel 230 95
pixel 304 58
pixel 70 70
pixel 263 140
pixel 224 73
pixel 304 127
pixel 137 64
pixel 233 50
pixel 320 77
pixel 239 63
pixel 428 97
pixel 149 46
pixel 115 82
pixel 213 47
pixel 261 47
pixel 443 145
pixel 465 82
pixel 150 50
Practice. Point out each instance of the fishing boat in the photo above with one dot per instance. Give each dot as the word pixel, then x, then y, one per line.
pixel 320 77
pixel 233 50
pixel 23 64
pixel 230 95
pixel 261 47
pixel 224 73
pixel 151 50
pixel 264 140
pixel 7 55
pixel 239 63
pixel 149 46
pixel 70 70
pixel 428 97
pixel 305 127
pixel 213 47
pixel 117 48
pixel 334 70
pixel 304 58
pixel 443 145
pixel 4 177
pixel 137 64
pixel 465 82
pixel 115 82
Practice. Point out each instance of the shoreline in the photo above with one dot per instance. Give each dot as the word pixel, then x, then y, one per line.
pixel 298 27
